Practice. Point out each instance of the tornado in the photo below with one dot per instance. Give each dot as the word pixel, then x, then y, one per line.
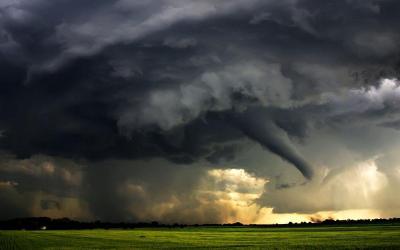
pixel 274 139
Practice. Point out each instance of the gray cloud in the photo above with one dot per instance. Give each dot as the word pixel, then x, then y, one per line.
pixel 193 82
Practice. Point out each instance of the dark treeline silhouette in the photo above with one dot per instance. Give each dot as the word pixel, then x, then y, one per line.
pixel 42 223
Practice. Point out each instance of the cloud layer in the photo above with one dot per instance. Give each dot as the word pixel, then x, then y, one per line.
pixel 92 94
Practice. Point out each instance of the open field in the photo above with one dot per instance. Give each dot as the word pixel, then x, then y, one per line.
pixel 328 237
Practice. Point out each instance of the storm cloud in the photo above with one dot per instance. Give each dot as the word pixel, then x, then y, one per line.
pixel 138 85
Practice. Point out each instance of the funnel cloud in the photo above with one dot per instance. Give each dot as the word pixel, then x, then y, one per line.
pixel 262 130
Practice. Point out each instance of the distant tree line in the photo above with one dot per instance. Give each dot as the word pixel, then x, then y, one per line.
pixel 45 223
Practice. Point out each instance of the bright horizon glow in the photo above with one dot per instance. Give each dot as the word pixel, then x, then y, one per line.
pixel 237 190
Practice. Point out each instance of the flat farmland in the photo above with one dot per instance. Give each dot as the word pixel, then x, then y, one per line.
pixel 316 237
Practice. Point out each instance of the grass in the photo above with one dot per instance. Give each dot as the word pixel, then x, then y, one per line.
pixel 346 237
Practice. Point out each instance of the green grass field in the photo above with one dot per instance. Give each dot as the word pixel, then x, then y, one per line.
pixel 347 237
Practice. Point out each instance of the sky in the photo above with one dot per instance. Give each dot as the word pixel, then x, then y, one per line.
pixel 200 111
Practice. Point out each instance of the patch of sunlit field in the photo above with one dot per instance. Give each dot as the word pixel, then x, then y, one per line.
pixel 328 237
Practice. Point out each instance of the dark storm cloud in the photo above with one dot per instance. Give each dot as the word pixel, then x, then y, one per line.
pixel 149 79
